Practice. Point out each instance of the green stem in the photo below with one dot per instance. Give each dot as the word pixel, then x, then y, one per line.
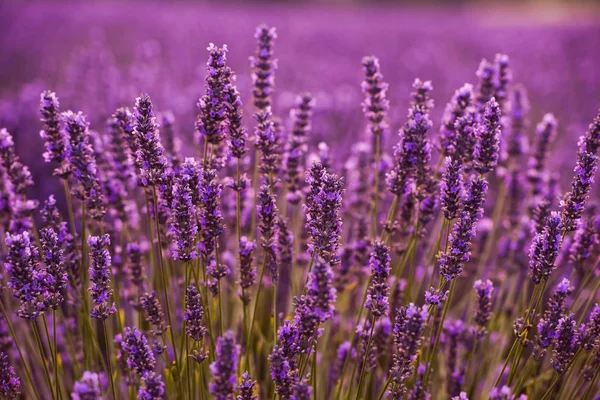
pixel 109 362
pixel 251 327
pixel 364 366
pixel 38 340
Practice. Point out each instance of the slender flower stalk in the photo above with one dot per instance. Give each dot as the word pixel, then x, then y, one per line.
pixel 53 135
pixel 224 368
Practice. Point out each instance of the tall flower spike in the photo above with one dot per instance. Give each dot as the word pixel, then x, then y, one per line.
pixel 263 67
pixel 149 150
pixel 503 78
pixel 170 140
pixel 183 219
pixel 56 275
pixel 10 384
pixel 375 104
pixel 545 133
pixel 452 188
pixel 485 87
pixel 546 328
pixel 18 173
pixel 589 339
pixel 100 277
pixel 134 265
pixel 153 388
pixel 585 239
pixel 83 164
pixel 140 358
pixel 247 270
pixel 321 291
pixel 544 249
pixel 194 314
pixel 268 143
pixel 121 154
pixel 237 133
pixel 26 280
pixel 483 310
pixel 408 329
pixel 210 218
pixel 295 154
pixel 246 388
pixel 224 368
pixel 488 138
pixel 212 124
pixel 323 205
pixel 458 106
pixel 377 301
pixel 267 214
pixel 52 134
pixel 153 312
pixel 567 342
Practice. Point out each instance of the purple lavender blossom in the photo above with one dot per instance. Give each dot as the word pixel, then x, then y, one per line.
pixel 247 270
pixel 121 154
pixel 153 312
pixel 263 67
pixel 153 389
pixel 210 218
pixel 238 135
pixel 322 208
pixel 456 109
pixel 585 239
pixel 246 388
pixel 567 342
pixel 134 265
pixel 280 370
pixel 408 328
pixel 545 134
pixel 434 297
pixel 10 383
pixel 171 142
pixel 452 188
pixel 56 275
pixel 377 298
pixel 224 368
pixel 419 391
pixel 320 290
pixel 100 277
pixel 149 150
pixel 52 134
pixel 488 138
pixel 212 124
pixel 503 78
pixel 140 358
pixel 27 281
pixel 82 161
pixel 194 315
pixel 519 107
pixel 589 339
pixel 18 173
pixel 267 213
pixel 544 249
pixel 549 322
pixel 483 310
pixel 375 104
pixel 302 390
pixel 87 387
pixel 267 141
pixel 295 152
pixel 183 218
pixel 485 87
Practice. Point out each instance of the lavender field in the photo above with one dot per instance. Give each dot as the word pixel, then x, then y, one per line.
pixel 276 201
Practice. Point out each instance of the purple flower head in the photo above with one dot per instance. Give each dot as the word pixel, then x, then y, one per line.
pixel 483 310
pixel 452 188
pixel 82 161
pixel 295 152
pixel 302 390
pixel 281 370
pixel 544 249
pixel 545 134
pixel 122 156
pixel 267 141
pixel 140 358
pixel 246 388
pixel 153 388
pixel 518 141
pixel 434 297
pixel 485 86
pixel 153 313
pixel 27 281
pixel 375 104
pixel 589 339
pixel 238 136
pixel 56 275
pixel 320 291
pixel 323 205
pixel 171 142
pixel 585 240
pixel 10 384
pixel 457 108
pixel 194 314
pixel 466 137
pixel 213 123
pixel 224 368
pixel 183 218
pixel 247 270
pixel 134 264
pixel 210 218
pixel 149 154
pixel 488 139
pixel 88 387
pixel 263 67
pixel 503 78
pixel 567 342
pixel 267 214
pixel 377 296
pixel 18 173
pixel 100 277
pixel 408 329
pixel 52 134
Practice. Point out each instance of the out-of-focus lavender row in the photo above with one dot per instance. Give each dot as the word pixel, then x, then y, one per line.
pixel 99 56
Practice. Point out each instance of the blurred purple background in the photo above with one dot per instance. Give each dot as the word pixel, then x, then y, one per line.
pixel 100 55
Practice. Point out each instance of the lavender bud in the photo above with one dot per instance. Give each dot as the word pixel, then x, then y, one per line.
pixel 503 76
pixel 121 153
pixel 88 387
pixel 149 151
pixel 567 341
pixel 153 311
pixel 100 277
pixel 153 389
pixel 263 67
pixel 246 388
pixel 377 298
pixel 434 297
pixel 458 106
pixel 280 370
pixel 592 330
pixel 134 265
pixel 18 174
pixel 52 134
pixel 295 154
pixel 194 315
pixel 484 290
pixel 56 276
pixel 237 133
pixel 320 291
pixel 586 238
pixel 267 213
pixel 10 384
pixel 224 368
pixel 485 87
pixel 488 139
pixel 247 270
pixel 183 219
pixel 452 188
pixel 140 358
pixel 210 218
pixel 302 390
pixel 375 104
pixel 267 142
pixel 544 249
pixel 545 133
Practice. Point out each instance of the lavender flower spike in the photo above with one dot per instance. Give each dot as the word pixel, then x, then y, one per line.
pixel 452 188
pixel 567 342
pixel 263 67
pixel 52 134
pixel 484 290
pixel 548 323
pixel 246 388
pixel 488 139
pixel 153 389
pixel 267 213
pixel 267 142
pixel 544 249
pixel 457 108
pixel 375 104
pixel 56 275
pixel 194 314
pixel 183 216
pixel 377 298
pixel 10 384
pixel 545 133
pixel 154 314
pixel 149 151
pixel 100 277
pixel 224 368
pixel 210 218
pixel 295 154
pixel 589 339
pixel 238 136
pixel 247 270
pixel 320 291
pixel 18 173
pixel 140 358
